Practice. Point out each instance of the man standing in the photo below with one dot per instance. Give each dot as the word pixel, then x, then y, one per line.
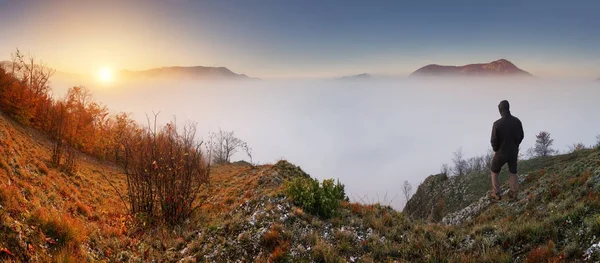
pixel 507 135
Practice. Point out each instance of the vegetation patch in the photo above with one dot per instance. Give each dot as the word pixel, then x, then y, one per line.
pixel 321 199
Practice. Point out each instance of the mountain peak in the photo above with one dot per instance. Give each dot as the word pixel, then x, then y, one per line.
pixel 500 67
pixel 195 72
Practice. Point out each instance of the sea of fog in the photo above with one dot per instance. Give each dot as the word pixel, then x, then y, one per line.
pixel 372 135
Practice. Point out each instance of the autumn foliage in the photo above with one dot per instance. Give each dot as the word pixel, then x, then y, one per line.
pixel 164 166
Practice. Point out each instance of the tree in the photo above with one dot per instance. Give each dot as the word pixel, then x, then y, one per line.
pixel 576 147
pixel 445 169
pixel 406 190
pixel 475 164
pixel 460 165
pixel 543 145
pixel 248 152
pixel 487 158
pixel 598 141
pixel 223 145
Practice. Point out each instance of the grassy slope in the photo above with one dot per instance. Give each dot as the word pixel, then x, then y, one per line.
pixel 443 195
pixel 245 215
pixel 556 219
pixel 43 212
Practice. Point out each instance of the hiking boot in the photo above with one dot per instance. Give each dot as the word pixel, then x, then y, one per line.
pixel 495 196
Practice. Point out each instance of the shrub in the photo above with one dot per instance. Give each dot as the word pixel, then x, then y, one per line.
pixel 165 169
pixel 322 199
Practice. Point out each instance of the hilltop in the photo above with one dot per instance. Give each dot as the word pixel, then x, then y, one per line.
pixel 196 72
pixel 501 67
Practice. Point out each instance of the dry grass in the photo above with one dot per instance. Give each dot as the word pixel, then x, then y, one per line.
pixel 51 203
pixel 62 230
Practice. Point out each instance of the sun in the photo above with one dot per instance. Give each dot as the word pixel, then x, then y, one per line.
pixel 105 75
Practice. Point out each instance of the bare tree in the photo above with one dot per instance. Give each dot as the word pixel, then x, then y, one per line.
pixel 445 169
pixel 475 164
pixel 460 165
pixel 248 151
pixel 406 190
pixel 223 145
pixel 543 145
pixel 487 159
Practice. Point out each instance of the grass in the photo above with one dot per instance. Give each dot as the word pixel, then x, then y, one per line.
pixel 62 231
pixel 556 219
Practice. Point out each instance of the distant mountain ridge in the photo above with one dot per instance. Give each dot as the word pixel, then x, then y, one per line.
pixel 186 72
pixel 357 76
pixel 501 67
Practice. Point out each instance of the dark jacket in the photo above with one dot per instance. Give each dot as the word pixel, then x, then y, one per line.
pixel 507 132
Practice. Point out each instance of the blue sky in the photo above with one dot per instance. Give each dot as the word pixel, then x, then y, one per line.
pixel 307 38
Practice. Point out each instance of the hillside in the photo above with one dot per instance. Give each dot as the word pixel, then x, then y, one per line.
pixel 197 72
pixel 43 212
pixel 457 192
pixel 501 67
pixel 245 215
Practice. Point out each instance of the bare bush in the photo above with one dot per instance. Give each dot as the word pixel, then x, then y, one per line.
pixel 577 147
pixel 223 145
pixel 248 152
pixel 487 158
pixel 475 164
pixel 460 164
pixel 406 190
pixel 165 169
pixel 445 169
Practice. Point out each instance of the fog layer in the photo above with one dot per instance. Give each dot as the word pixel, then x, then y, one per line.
pixel 372 135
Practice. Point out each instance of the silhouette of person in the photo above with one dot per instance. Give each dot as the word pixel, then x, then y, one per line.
pixel 507 135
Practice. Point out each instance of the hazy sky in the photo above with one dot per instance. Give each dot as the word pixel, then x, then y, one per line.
pixel 306 38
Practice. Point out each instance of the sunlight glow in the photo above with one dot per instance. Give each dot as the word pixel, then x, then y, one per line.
pixel 105 75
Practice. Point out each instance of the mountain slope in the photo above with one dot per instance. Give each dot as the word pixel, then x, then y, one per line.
pixel 197 72
pixel 445 195
pixel 501 67
pixel 47 214
pixel 246 215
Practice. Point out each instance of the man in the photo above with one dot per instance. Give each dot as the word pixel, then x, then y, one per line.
pixel 507 135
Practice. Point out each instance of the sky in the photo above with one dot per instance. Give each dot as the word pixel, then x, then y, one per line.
pixel 305 38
